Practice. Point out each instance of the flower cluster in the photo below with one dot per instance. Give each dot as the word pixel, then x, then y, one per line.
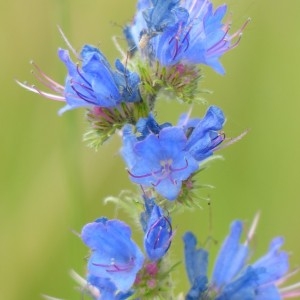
pixel 168 42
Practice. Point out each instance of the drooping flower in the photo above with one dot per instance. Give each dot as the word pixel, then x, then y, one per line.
pixel 158 235
pixel 233 277
pixel 92 84
pixel 114 255
pixel 192 32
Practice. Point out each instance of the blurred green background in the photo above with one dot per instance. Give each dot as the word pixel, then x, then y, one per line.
pixel 52 184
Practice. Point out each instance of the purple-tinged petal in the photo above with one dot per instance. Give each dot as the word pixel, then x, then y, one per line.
pixel 275 263
pixel 231 258
pixel 114 254
pixel 158 235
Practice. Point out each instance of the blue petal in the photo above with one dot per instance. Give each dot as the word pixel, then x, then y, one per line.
pixel 201 141
pixel 158 236
pixel 231 258
pixel 268 292
pixel 196 260
pixel 241 289
pixel 161 14
pixel 114 254
pixel 275 263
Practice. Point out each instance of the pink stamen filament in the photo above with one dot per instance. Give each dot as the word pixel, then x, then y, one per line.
pixel 165 171
pixel 218 48
pixel 179 42
pixel 116 268
pixel 58 87
pixel 232 140
pixel 34 89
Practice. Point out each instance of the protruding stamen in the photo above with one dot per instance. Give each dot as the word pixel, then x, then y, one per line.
pixel 252 228
pixel 67 42
pixel 290 291
pixel 46 80
pixel 34 89
pixel 233 140
pixel 218 140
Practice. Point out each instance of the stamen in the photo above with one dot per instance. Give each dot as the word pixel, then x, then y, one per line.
pixel 139 176
pixel 34 89
pixel 117 45
pixel 157 183
pixel 287 276
pixel 220 44
pixel 116 268
pixel 80 74
pixel 48 95
pixel 237 33
pixel 233 140
pixel 49 82
pixel 56 88
pixel 252 228
pixel 179 42
pixel 290 291
pixel 236 42
pixel 218 140
pixel 88 89
pixel 180 169
pixel 67 42
pixel 186 37
pixel 80 95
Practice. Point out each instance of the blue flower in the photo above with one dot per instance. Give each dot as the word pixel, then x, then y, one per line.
pixel 158 234
pixel 163 156
pixel 159 161
pixel 189 32
pixel 204 135
pixel 114 255
pixel 232 277
pixel 95 83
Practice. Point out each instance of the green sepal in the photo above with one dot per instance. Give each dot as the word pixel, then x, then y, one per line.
pixel 104 122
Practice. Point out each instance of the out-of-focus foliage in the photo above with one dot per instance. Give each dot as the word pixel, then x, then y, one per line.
pixel 52 184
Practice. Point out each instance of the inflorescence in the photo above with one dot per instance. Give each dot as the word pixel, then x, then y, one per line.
pixel 168 41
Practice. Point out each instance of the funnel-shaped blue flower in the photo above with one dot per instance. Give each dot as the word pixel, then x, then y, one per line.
pixel 114 255
pixel 95 83
pixel 162 156
pixel 233 277
pixel 159 161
